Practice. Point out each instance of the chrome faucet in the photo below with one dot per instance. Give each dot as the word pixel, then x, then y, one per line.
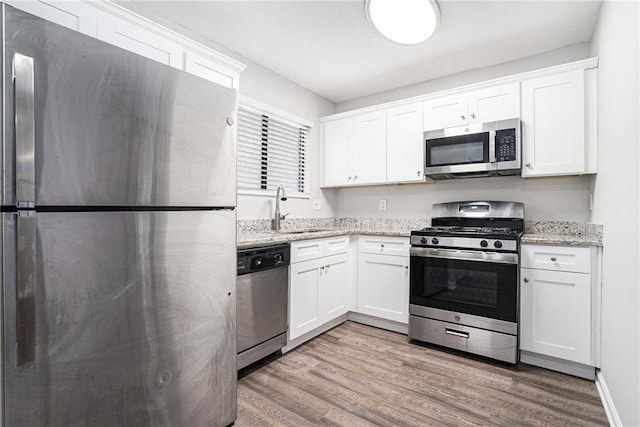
pixel 275 222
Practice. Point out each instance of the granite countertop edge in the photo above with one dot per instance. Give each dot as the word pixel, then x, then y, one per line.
pixel 561 239
pixel 246 240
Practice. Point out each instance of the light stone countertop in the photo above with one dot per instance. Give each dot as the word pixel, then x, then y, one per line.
pixel 257 232
pixel 560 239
pixel 262 238
pixel 563 233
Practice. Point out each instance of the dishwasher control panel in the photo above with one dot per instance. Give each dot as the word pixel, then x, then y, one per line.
pixel 262 258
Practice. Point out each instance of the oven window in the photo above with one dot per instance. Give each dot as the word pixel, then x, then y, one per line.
pixel 458 150
pixel 473 287
pixel 462 286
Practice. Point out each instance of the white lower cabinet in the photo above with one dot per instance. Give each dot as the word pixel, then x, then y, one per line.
pixel 318 287
pixel 383 286
pixel 559 306
pixel 383 279
pixel 556 314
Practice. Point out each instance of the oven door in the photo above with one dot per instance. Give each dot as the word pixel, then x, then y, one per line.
pixel 459 154
pixel 483 284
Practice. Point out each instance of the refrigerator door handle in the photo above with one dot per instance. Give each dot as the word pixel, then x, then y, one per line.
pixel 23 78
pixel 26 288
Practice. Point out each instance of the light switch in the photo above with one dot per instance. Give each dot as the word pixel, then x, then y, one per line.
pixel 383 204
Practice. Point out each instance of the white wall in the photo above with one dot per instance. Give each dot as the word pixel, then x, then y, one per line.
pixel 555 199
pixel 264 85
pixel 616 202
pixel 559 199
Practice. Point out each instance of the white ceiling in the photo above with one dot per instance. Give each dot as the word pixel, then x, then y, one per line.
pixel 329 47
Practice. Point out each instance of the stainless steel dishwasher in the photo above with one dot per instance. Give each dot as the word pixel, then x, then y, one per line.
pixel 262 298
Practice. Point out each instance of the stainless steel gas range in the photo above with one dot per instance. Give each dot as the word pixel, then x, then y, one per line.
pixel 464 278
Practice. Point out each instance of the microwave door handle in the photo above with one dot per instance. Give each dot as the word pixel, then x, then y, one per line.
pixel 492 146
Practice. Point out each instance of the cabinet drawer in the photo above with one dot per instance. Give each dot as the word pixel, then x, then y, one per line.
pixel 384 245
pixel 304 250
pixel 557 258
pixel 336 245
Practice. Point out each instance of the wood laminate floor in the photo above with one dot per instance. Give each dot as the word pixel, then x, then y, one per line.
pixel 357 375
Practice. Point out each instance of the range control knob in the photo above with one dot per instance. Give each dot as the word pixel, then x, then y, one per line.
pixel 423 240
pixel 484 243
pixel 497 244
pixel 277 258
pixel 435 240
pixel 257 261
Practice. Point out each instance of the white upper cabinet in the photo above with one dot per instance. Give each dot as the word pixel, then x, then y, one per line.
pixel 337 136
pixel 136 39
pixel 494 103
pixel 368 151
pixel 405 147
pixel 446 112
pixel 79 16
pixel 557 107
pixel 553 125
pixel 355 150
pixel 113 24
pixel 204 67
pixel 479 106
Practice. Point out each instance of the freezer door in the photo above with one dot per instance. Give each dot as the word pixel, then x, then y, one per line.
pixel 108 127
pixel 132 316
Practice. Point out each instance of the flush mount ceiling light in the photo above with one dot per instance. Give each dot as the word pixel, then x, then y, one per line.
pixel 407 22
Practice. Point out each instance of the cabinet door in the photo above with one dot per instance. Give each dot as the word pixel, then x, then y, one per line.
pixel 405 146
pixel 553 136
pixel 337 135
pixel 77 15
pixel 136 39
pixel 332 295
pixel 383 286
pixel 207 69
pixel 445 112
pixel 555 317
pixel 494 103
pixel 369 148
pixel 304 284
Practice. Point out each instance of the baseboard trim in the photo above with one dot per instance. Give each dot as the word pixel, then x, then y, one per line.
pixel 607 401
pixel 559 365
pixel 314 333
pixel 377 322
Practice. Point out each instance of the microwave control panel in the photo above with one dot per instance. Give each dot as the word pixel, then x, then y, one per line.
pixel 506 145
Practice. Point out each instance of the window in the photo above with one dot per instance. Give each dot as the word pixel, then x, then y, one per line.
pixel 271 151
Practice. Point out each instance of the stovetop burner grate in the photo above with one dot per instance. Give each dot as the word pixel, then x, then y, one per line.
pixel 467 230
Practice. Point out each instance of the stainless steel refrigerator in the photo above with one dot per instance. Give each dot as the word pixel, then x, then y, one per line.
pixel 118 236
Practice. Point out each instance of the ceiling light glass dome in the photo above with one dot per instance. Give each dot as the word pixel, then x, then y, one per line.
pixel 408 22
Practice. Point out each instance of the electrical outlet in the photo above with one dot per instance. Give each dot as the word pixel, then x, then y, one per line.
pixel 383 204
pixel 316 205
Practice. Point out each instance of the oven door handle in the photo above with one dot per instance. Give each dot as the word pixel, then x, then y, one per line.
pixel 495 257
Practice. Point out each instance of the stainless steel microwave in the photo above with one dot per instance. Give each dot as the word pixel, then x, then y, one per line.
pixel 484 149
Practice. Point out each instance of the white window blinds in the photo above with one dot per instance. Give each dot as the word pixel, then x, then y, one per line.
pixel 271 151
